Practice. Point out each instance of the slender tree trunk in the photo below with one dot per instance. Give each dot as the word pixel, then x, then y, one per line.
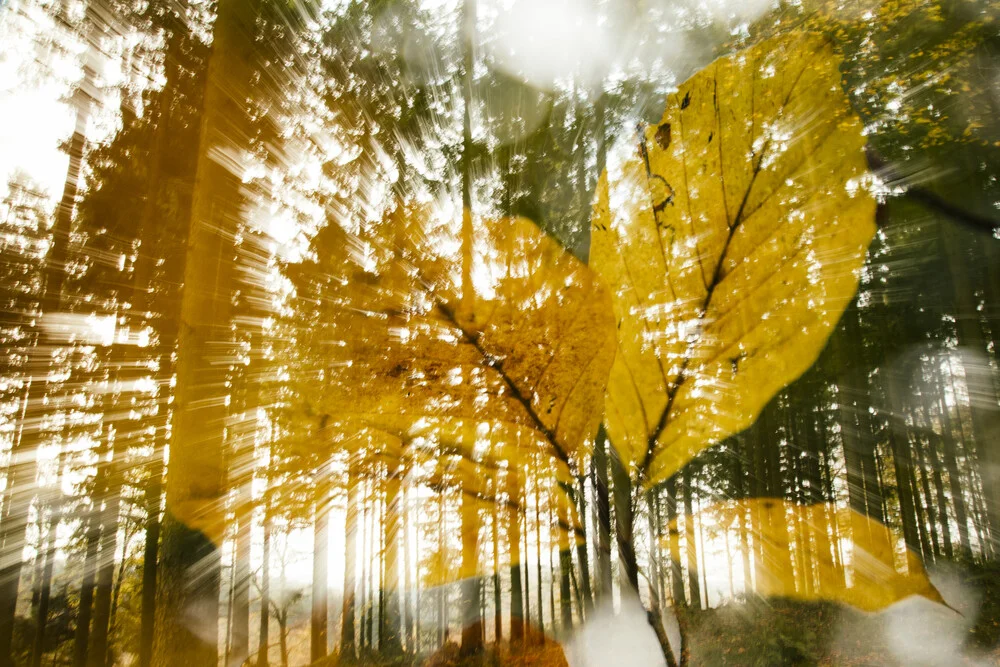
pixel 45 590
pixel 955 478
pixel 366 567
pixel 111 492
pixel 625 532
pixel 347 650
pixel 581 547
pixel 694 583
pixel 116 595
pixel 153 499
pixel 599 461
pixel 442 600
pixel 245 399
pixel 562 501
pixel 517 614
pixel 86 604
pixel 903 466
pixel 407 593
pixel 538 559
pixel 740 494
pixel 552 568
pixel 928 499
pixel 265 596
pixel 497 606
pixel 472 622
pixel 389 634
pixel 676 572
pixel 320 590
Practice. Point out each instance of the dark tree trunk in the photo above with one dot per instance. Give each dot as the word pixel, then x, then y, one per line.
pixel 581 547
pixel 111 493
pixel 86 604
pixel 390 642
pixel 602 500
pixel 517 613
pixel 265 596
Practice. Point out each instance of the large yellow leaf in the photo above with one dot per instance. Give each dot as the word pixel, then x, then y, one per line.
pixel 872 580
pixel 734 238
pixel 516 364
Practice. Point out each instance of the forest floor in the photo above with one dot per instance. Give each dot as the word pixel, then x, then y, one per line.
pixel 781 632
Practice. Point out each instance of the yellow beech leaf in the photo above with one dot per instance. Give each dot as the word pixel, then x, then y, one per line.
pixel 873 581
pixel 733 238
pixel 518 361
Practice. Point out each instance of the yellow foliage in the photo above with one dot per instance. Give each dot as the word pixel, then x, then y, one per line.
pixel 870 554
pixel 513 368
pixel 734 239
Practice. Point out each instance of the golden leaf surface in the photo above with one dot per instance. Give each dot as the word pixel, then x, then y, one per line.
pixel 734 240
pixel 874 582
pixel 515 363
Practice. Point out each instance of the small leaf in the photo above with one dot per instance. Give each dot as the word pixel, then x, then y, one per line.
pixel 733 247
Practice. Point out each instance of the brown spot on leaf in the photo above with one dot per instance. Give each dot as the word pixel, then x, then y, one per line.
pixel 663 136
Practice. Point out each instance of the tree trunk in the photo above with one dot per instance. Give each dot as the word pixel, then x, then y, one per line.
pixel 265 595
pixel 494 528
pixel 86 604
pixel 472 622
pixel 676 571
pixel 514 546
pixel 694 584
pixel 153 500
pixel 45 591
pixel 390 642
pixel 194 522
pixel 320 590
pixel 899 442
pixel 407 592
pixel 111 493
pixel 581 547
pixel 954 476
pixel 625 533
pixel 347 649
pixel 601 498
pixel 563 500
pixel 538 561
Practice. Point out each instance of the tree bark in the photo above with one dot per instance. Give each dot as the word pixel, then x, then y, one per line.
pixel 472 622
pixel 390 642
pixel 110 492
pixel 320 590
pixel 581 547
pixel 265 596
pixel 514 547
pixel 194 522
pixel 694 584
pixel 601 498
pixel 676 571
pixel 86 603
pixel 347 645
